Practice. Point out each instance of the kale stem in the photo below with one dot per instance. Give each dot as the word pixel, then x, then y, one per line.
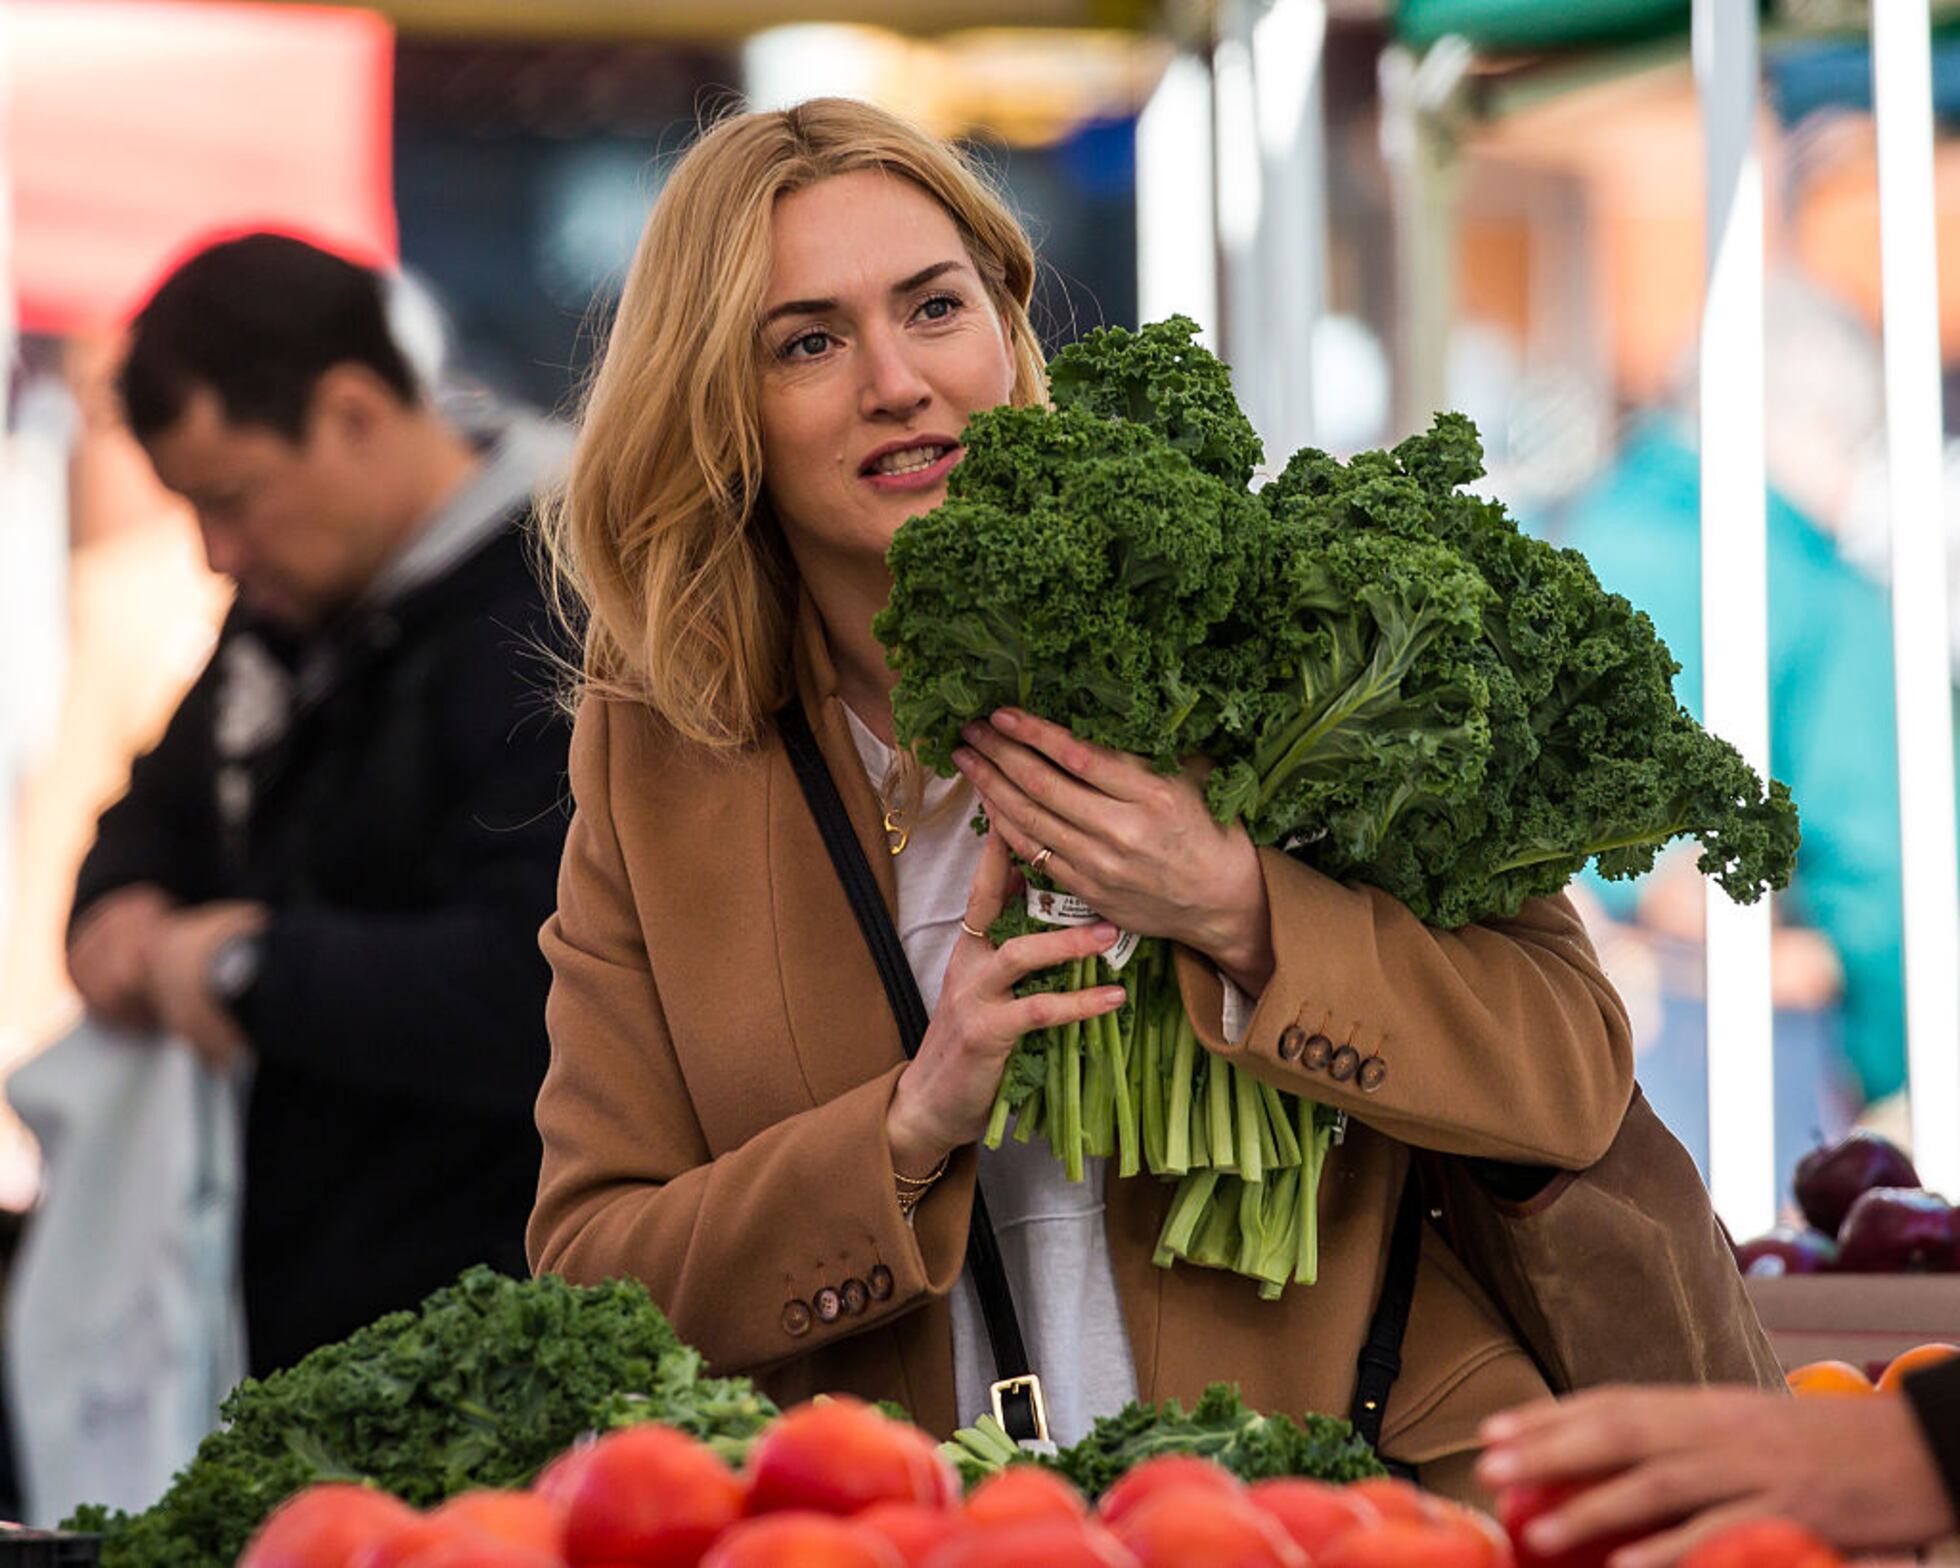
pixel 1218 1103
pixel 1184 1066
pixel 1071 1150
pixel 1248 1113
pixel 1280 1116
pixel 1604 847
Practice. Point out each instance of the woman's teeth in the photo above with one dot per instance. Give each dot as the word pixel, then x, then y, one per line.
pixel 910 461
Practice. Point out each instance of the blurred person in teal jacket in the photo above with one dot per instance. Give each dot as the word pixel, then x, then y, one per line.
pixel 1832 733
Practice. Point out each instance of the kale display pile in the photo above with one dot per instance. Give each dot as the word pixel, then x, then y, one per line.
pixel 490 1379
pixel 1219 1427
pixel 1390 680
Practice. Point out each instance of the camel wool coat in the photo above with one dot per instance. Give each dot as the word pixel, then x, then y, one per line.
pixel 722 1057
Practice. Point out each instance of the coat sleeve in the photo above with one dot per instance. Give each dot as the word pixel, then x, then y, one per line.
pixel 440 1000
pixel 163 830
pixel 737 1247
pixel 1502 1040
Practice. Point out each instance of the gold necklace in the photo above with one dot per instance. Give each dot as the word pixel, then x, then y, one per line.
pixel 897 835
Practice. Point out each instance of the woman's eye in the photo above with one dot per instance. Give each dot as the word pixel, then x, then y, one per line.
pixel 808 346
pixel 939 307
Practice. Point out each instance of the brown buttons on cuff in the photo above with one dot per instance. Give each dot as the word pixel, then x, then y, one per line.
pixel 1341 1066
pixel 1292 1041
pixel 1371 1073
pixel 880 1283
pixel 1319 1051
pixel 856 1294
pixel 829 1304
pixel 796 1318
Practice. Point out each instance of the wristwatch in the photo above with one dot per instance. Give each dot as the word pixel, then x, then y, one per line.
pixel 234 967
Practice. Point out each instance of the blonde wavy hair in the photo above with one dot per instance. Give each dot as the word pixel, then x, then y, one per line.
pixel 660 544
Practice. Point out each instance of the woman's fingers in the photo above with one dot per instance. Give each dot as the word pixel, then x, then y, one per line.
pixel 1024 955
pixel 1113 773
pixel 986 895
pixel 1026 820
pixel 1052 1009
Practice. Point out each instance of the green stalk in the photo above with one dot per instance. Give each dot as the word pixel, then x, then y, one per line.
pixel 1313 1145
pixel 1150 1072
pixel 1250 1114
pixel 997 1118
pixel 1028 1122
pixel 1071 1150
pixel 1218 1105
pixel 1252 1229
pixel 1129 1159
pixel 1053 1108
pixel 1279 1117
pixel 1200 1143
pixel 1179 1113
pixel 1217 1242
pixel 1188 1207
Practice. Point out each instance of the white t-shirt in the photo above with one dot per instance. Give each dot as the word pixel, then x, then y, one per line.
pixel 1050 1229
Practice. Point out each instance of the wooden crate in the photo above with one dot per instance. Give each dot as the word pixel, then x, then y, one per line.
pixel 1860 1318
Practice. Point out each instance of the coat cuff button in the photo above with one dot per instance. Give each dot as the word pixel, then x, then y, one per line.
pixel 856 1294
pixel 1319 1050
pixel 1343 1064
pixel 796 1318
pixel 1292 1041
pixel 829 1304
pixel 1371 1073
pixel 879 1283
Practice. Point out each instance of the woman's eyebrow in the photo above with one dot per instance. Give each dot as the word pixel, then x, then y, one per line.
pixel 819 307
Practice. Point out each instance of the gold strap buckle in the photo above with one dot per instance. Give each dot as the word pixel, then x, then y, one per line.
pixel 1030 1386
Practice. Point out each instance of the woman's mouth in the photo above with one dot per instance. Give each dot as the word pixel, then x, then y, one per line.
pixel 912 468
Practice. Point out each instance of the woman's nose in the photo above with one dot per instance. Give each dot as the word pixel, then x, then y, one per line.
pixel 893 386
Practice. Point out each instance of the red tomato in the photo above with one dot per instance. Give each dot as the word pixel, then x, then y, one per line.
pixel 1408 1543
pixel 521 1518
pixel 482 1551
pixel 1763 1543
pixel 1396 1499
pixel 558 1480
pixel 1517 1506
pixel 1161 1474
pixel 1315 1514
pixel 649 1496
pixel 839 1456
pixel 1204 1527
pixel 913 1529
pixel 1021 1494
pixel 412 1537
pixel 323 1527
pixel 801 1539
pixel 1051 1543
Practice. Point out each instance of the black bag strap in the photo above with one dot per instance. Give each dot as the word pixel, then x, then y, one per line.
pixel 1381 1356
pixel 983 1258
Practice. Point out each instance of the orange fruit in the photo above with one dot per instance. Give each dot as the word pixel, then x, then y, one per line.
pixel 1829 1377
pixel 1911 1361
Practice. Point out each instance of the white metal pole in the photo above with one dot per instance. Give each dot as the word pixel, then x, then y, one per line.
pixel 1177 220
pixel 1734 591
pixel 1241 210
pixel 1288 49
pixel 1902 85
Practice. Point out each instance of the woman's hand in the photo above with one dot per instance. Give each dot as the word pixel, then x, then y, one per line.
pixel 946 1093
pixel 1144 850
pixel 1687 1462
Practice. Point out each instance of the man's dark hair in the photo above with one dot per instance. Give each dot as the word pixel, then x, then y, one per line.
pixel 258 320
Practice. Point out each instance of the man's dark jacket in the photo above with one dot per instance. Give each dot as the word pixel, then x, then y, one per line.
pixel 405 833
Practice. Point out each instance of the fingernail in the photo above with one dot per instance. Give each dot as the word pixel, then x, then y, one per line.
pixel 1115 995
pixel 1498 1428
pixel 1103 932
pixel 1547 1535
pixel 972 731
pixel 1007 718
pixel 1497 1467
pixel 963 760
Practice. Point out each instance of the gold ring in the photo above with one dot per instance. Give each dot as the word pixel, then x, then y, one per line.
pixel 1041 858
pixel 970 931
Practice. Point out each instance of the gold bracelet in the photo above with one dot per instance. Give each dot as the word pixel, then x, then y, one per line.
pixel 920 1183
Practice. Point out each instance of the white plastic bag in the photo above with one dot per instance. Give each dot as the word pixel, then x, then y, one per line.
pixel 125 1324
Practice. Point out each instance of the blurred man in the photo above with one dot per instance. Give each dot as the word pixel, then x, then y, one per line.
pixel 334 864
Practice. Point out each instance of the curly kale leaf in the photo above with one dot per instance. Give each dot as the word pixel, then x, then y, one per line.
pixel 1073 569
pixel 486 1382
pixel 1160 378
pixel 1223 1428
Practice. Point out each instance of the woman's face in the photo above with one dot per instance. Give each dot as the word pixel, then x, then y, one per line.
pixel 878 341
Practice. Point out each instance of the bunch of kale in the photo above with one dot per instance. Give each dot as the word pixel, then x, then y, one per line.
pixel 1220 1427
pixel 488 1381
pixel 1390 680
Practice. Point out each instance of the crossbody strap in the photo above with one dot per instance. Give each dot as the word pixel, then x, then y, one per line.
pixel 1380 1362
pixel 983 1260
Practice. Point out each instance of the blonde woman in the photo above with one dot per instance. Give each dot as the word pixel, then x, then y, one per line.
pixel 822 297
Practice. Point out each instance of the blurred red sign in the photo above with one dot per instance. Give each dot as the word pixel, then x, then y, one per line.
pixel 138 129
